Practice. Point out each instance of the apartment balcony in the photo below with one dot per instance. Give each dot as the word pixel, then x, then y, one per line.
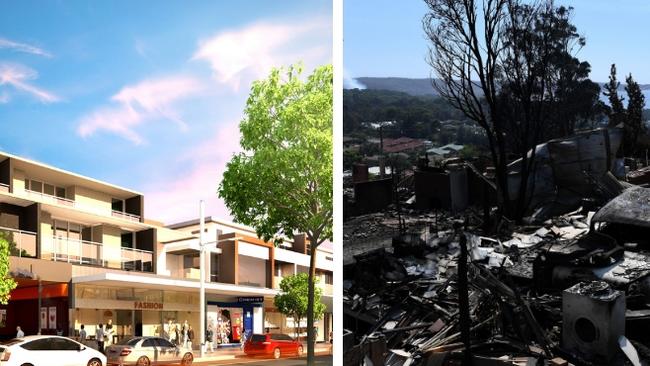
pixel 187 274
pixel 76 251
pixel 47 198
pixel 21 243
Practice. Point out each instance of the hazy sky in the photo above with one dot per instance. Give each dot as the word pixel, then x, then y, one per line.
pixel 146 94
pixel 385 37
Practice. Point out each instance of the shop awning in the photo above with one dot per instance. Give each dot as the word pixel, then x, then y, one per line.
pixel 137 280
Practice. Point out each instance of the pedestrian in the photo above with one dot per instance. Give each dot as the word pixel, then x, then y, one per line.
pixel 208 339
pixel 190 336
pixel 82 335
pixel 108 332
pixel 99 335
pixel 19 332
pixel 331 341
pixel 168 330
pixel 184 333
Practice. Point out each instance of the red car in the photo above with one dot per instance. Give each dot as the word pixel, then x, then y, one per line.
pixel 273 344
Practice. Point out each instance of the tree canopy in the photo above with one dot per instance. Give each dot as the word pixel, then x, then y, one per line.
pixel 282 181
pixel 6 283
pixel 293 298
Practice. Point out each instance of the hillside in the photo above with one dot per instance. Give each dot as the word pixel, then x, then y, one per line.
pixel 421 87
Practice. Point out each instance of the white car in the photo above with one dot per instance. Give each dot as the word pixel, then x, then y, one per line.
pixel 48 351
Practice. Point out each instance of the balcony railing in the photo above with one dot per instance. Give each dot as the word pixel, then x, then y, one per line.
pixel 48 198
pixel 4 187
pixel 77 251
pixel 125 216
pixel 137 260
pixel 21 243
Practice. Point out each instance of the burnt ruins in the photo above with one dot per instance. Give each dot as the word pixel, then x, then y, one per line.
pixel 433 275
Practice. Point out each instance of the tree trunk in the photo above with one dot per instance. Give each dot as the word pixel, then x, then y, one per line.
pixel 310 302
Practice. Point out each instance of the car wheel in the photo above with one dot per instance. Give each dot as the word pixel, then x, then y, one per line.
pixel 276 353
pixel 300 350
pixel 187 359
pixel 95 362
pixel 143 361
pixel 27 364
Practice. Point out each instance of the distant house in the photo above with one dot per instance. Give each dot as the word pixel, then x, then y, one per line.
pixel 402 144
pixel 445 151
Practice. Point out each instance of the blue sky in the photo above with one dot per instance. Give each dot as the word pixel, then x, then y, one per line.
pixel 385 37
pixel 146 94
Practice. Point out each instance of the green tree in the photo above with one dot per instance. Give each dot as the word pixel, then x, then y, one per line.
pixel 6 283
pixel 633 126
pixel 616 111
pixel 293 299
pixel 281 183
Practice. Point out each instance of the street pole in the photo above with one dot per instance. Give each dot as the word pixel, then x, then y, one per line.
pixel 202 276
pixel 40 295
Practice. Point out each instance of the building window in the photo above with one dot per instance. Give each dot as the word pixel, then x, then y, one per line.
pixel 44 188
pixel 117 205
pixel 329 279
pixel 191 261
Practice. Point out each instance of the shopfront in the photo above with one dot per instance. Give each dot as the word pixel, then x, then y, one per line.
pixel 133 311
pixel 231 321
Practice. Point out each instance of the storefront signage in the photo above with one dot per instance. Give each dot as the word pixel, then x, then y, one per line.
pixel 251 299
pixel 148 305
pixel 52 317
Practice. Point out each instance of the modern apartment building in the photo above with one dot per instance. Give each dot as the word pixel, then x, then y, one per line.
pixel 82 252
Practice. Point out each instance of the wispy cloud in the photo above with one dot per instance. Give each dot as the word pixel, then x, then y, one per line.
pixel 134 105
pixel 251 51
pixel 18 76
pixel 206 162
pixel 23 47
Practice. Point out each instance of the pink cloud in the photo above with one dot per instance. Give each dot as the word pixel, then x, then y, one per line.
pixel 136 104
pixel 23 47
pixel 207 162
pixel 17 76
pixel 244 54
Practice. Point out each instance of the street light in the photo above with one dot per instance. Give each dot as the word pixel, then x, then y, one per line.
pixel 202 246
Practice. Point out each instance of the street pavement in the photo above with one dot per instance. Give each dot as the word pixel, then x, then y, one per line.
pixel 323 360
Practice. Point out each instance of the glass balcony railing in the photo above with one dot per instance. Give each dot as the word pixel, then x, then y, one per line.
pixel 77 251
pixel 137 260
pixel 21 243
pixel 74 251
pixel 125 216
pixel 47 198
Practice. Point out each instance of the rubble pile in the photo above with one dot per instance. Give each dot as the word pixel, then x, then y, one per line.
pixel 401 301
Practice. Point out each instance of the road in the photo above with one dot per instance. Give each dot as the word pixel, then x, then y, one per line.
pixel 294 361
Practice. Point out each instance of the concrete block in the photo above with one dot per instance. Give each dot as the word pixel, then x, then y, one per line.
pixel 593 319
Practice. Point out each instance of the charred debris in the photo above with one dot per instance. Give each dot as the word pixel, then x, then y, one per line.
pixel 433 275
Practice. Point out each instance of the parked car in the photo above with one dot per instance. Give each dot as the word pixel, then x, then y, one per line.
pixel 44 350
pixel 274 344
pixel 146 351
